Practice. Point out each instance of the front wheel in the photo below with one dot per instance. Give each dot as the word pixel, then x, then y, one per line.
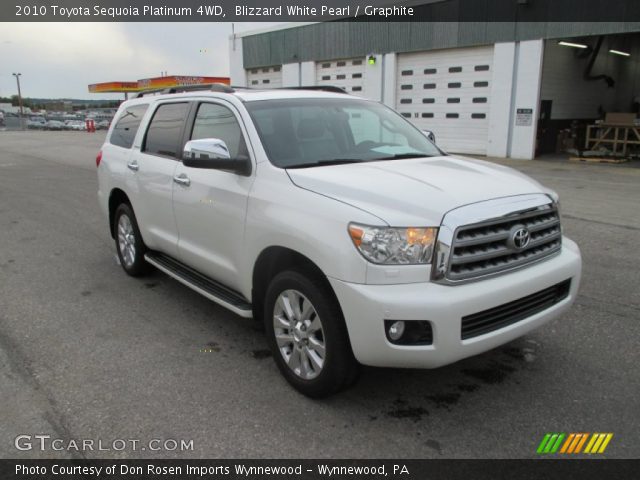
pixel 307 334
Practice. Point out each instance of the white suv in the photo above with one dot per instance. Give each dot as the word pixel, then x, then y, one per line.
pixel 338 224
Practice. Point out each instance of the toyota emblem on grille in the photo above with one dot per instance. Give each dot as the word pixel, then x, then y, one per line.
pixel 519 237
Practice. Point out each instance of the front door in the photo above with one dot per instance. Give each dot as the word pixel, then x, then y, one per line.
pixel 210 205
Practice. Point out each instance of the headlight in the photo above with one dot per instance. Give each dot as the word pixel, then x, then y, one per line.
pixel 394 246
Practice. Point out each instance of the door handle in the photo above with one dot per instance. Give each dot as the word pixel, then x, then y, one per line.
pixel 133 166
pixel 182 179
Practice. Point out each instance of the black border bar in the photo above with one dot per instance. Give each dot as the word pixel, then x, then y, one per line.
pixel 343 10
pixel 557 468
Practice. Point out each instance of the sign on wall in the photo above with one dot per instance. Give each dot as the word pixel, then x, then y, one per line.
pixel 524 117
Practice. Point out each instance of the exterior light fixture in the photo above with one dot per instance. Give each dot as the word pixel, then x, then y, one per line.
pixel 619 52
pixel 372 59
pixel 571 44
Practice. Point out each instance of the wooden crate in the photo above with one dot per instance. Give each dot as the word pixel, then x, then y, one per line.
pixel 598 160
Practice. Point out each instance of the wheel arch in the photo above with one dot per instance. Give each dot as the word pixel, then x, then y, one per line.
pixel 273 260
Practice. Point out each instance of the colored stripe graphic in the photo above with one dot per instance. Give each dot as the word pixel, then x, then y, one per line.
pixel 576 439
pixel 607 439
pixel 598 443
pixel 581 442
pixel 572 443
pixel 556 446
pixel 543 443
pixel 594 437
pixel 567 442
pixel 551 442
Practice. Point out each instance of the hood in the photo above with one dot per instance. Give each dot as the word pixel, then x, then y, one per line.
pixel 416 191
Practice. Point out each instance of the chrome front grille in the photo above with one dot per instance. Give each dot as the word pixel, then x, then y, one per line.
pixel 487 248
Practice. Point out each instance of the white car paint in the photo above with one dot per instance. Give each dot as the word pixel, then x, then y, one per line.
pixel 223 222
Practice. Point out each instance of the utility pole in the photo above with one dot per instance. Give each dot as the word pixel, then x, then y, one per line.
pixel 17 75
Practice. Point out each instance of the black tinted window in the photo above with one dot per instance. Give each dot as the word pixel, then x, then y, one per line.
pixel 165 131
pixel 127 125
pixel 216 121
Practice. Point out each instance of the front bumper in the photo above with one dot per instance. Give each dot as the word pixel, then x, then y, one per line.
pixel 365 307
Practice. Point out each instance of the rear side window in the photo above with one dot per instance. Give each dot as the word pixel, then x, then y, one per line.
pixel 127 126
pixel 216 121
pixel 165 130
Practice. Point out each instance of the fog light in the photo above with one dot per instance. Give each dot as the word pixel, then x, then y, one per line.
pixel 409 332
pixel 396 330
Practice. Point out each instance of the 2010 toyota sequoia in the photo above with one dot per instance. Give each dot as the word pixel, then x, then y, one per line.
pixel 337 223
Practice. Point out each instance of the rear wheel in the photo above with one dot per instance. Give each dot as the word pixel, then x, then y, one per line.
pixel 129 244
pixel 307 334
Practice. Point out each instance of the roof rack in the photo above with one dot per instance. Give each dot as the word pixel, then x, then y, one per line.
pixel 323 88
pixel 211 87
pixel 222 88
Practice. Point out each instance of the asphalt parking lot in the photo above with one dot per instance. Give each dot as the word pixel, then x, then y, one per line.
pixel 87 352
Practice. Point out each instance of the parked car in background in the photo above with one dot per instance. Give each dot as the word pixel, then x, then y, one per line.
pixel 36 123
pixel 103 125
pixel 54 125
pixel 76 125
pixel 1 119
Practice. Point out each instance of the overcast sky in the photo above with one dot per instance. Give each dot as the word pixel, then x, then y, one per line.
pixel 59 60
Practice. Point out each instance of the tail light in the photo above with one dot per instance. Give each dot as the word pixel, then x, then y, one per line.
pixel 99 158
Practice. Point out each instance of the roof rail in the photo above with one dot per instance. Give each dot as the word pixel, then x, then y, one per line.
pixel 211 87
pixel 323 88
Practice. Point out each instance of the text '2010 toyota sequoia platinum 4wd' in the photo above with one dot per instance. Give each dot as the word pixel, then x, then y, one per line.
pixel 338 224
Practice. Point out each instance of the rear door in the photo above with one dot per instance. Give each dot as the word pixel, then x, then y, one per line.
pixel 154 166
pixel 118 151
pixel 211 208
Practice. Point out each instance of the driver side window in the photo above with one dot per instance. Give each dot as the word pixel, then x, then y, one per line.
pixel 216 121
pixel 366 126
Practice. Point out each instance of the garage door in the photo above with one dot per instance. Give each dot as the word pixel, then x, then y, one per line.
pixel 448 92
pixel 266 77
pixel 348 74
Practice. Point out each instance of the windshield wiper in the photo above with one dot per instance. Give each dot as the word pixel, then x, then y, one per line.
pixel 342 161
pixel 323 163
pixel 400 156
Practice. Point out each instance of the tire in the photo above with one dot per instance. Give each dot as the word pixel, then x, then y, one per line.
pixel 129 244
pixel 307 334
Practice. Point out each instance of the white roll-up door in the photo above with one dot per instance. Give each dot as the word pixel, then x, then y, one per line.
pixel 348 74
pixel 448 92
pixel 265 77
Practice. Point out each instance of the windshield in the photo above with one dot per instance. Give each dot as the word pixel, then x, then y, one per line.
pixel 299 133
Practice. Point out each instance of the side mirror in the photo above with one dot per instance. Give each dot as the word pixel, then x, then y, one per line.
pixel 430 135
pixel 213 153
